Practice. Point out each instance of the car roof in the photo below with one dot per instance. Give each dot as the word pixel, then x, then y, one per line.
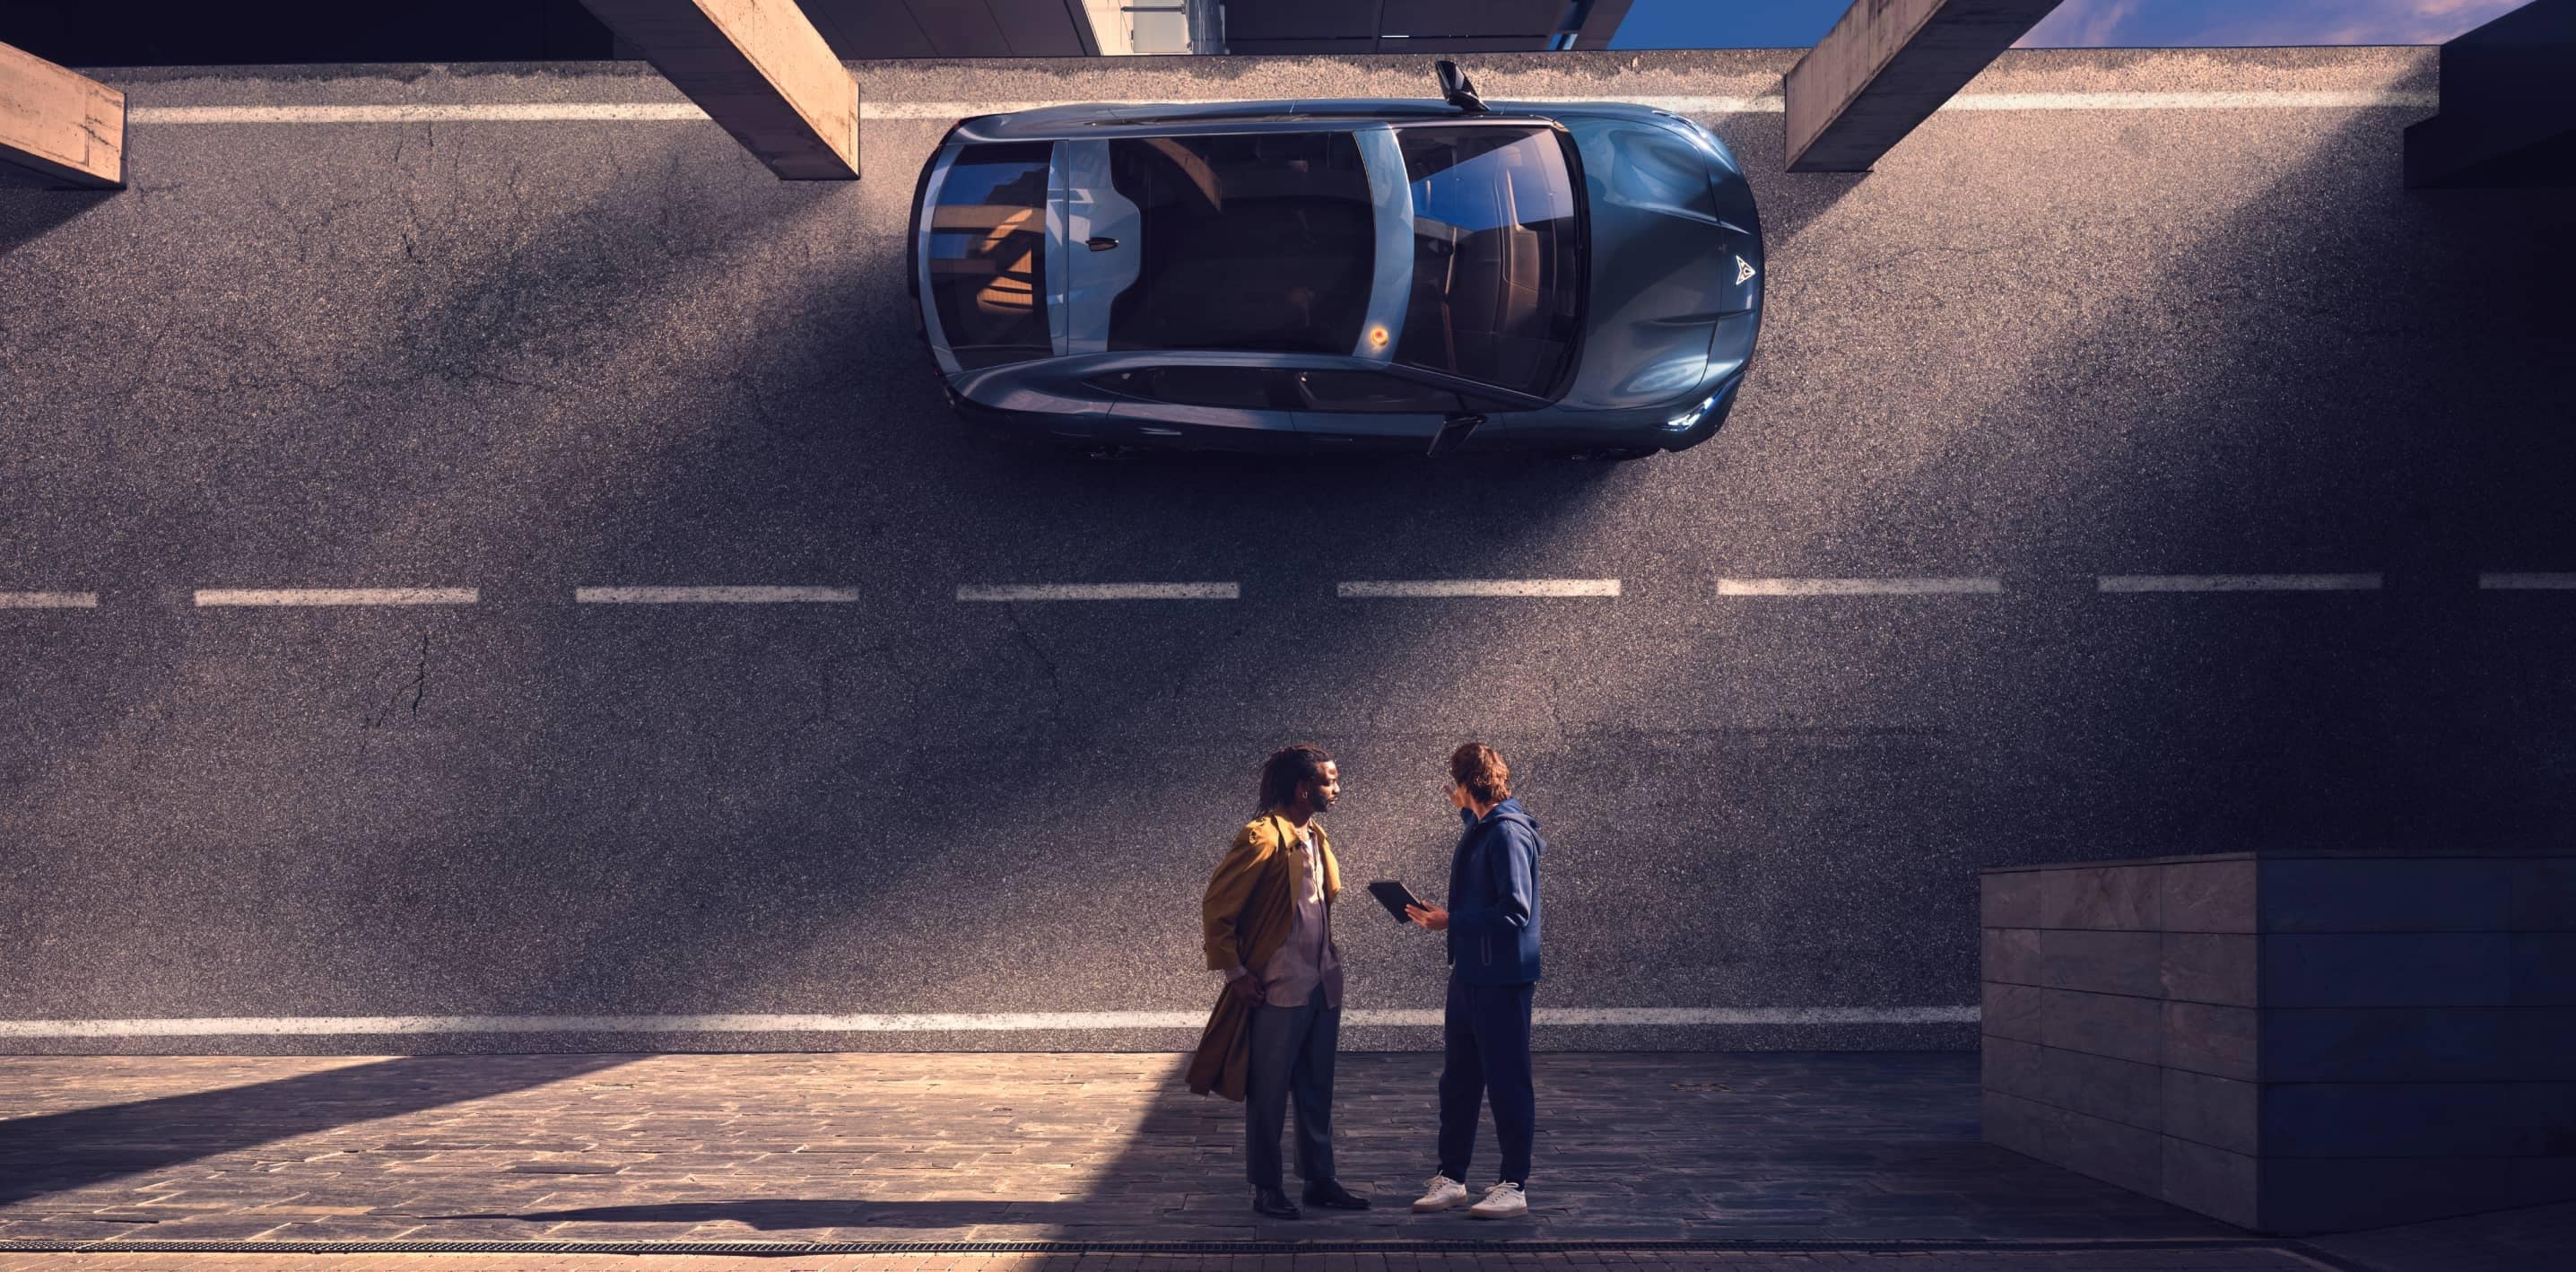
pixel 1089 119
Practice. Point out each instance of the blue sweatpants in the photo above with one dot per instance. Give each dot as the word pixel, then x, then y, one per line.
pixel 1487 1045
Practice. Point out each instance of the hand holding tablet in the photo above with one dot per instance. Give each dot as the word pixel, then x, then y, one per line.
pixel 1395 897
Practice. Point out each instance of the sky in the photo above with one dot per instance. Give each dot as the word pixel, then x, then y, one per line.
pixel 1684 24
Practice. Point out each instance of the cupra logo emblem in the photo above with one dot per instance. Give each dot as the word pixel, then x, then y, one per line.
pixel 1743 271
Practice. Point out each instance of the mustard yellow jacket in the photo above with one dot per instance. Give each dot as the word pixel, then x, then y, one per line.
pixel 1245 917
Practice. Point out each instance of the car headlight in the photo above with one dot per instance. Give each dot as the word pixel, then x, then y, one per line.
pixel 1690 419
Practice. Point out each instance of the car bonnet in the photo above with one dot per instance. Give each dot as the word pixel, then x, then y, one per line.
pixel 1673 270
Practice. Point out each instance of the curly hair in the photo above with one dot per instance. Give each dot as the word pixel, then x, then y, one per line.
pixel 1288 768
pixel 1481 770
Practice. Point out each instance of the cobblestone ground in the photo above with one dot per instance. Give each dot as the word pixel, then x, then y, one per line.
pixel 1807 1151
pixel 2248 1260
pixel 885 1147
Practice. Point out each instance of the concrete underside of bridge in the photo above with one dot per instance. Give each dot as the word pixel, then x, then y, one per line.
pixel 1885 67
pixel 2091 330
pixel 759 69
pixel 58 126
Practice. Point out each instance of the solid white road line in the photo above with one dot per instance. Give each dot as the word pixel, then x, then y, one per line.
pixel 2252 99
pixel 1858 587
pixel 1381 589
pixel 2527 582
pixel 932 1022
pixel 339 596
pixel 492 112
pixel 48 600
pixel 1750 1015
pixel 2239 582
pixel 712 595
pixel 1100 592
pixel 667 112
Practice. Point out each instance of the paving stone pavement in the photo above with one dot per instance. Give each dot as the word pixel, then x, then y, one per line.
pixel 1800 1149
pixel 1749 1261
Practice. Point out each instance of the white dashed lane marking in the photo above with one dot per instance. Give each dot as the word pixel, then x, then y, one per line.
pixel 1859 587
pixel 1381 589
pixel 932 1022
pixel 339 596
pixel 2239 582
pixel 1373 589
pixel 713 595
pixel 1100 592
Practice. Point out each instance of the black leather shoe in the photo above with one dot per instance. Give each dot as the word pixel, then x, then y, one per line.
pixel 1274 1203
pixel 1332 1196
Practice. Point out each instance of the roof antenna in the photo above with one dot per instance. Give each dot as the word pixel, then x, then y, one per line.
pixel 1457 90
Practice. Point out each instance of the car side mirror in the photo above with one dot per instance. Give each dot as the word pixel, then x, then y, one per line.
pixel 1457 90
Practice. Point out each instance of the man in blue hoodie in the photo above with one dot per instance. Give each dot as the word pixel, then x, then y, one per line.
pixel 1492 922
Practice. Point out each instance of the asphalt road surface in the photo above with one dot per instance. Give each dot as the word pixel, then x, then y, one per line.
pixel 2070 379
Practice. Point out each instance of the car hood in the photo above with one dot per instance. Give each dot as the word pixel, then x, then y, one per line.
pixel 1676 265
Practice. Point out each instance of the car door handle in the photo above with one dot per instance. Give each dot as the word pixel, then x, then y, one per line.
pixel 1100 243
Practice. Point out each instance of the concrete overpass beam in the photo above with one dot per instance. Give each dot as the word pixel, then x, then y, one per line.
pixel 2508 105
pixel 760 69
pixel 60 123
pixel 1885 67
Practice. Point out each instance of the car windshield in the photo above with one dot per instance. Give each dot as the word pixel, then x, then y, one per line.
pixel 1249 241
pixel 1496 255
pixel 988 254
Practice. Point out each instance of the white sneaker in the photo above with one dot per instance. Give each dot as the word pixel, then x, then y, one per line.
pixel 1502 1201
pixel 1440 1194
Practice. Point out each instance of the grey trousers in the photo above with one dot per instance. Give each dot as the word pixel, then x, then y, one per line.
pixel 1292 1056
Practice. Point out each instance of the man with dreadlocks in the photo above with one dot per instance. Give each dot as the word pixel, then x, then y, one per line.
pixel 1268 921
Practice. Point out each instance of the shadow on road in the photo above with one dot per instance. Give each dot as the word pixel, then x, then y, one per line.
pixel 57 1152
pixel 31 205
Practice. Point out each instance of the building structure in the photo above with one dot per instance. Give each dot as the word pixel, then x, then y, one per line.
pixel 2508 115
pixel 1418 26
pixel 868 30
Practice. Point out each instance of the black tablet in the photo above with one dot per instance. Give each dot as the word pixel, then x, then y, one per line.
pixel 1395 896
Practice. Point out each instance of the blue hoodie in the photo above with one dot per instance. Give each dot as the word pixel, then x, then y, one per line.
pixel 1493 897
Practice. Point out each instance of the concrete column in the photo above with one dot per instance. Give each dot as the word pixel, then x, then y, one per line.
pixel 1885 67
pixel 2508 105
pixel 1601 24
pixel 760 69
pixel 60 123
pixel 2294 1041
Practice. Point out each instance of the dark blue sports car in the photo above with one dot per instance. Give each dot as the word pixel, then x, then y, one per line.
pixel 1346 274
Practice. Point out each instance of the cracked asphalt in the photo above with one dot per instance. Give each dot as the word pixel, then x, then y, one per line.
pixel 521 357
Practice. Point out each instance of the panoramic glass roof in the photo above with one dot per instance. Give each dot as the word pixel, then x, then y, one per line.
pixel 1258 241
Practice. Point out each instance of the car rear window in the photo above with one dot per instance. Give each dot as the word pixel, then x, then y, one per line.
pixel 988 254
pixel 1249 241
pixel 1497 254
